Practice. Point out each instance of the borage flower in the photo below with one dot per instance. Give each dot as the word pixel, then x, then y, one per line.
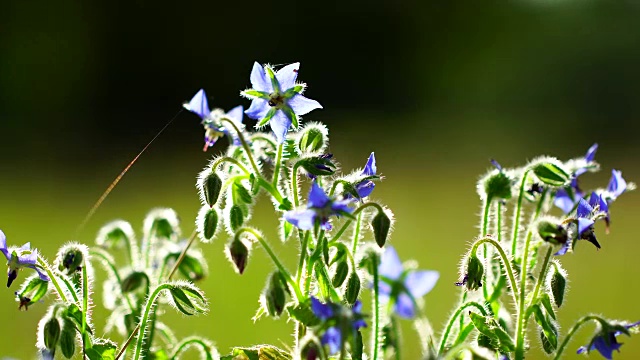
pixel 336 319
pixel 277 99
pixel 319 209
pixel 403 286
pixel 18 258
pixel 365 187
pixel 567 199
pixel 585 215
pixel 605 342
pixel 212 119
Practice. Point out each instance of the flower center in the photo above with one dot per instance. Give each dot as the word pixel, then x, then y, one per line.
pixel 276 100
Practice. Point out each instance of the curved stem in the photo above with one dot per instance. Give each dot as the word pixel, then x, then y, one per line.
pixel 71 289
pixel 52 278
pixel 518 211
pixel 356 234
pixel 499 221
pixel 505 260
pixel 274 258
pixel 485 225
pixel 185 343
pixel 245 146
pixel 220 160
pixel 261 136
pixel 276 169
pixel 447 331
pixel 583 320
pixel 349 221
pixel 145 317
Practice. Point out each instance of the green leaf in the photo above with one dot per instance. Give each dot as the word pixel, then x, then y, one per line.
pixel 551 174
pixel 324 283
pixel 240 194
pixel 285 205
pixel 102 351
pixel 256 94
pixel 261 352
pixel 267 118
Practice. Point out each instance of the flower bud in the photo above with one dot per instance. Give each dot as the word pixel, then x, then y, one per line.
pixel 310 350
pixel 313 138
pixel 134 281
pixel 68 339
pixel 163 223
pixel 51 333
pixel 342 270
pixel 239 194
pixel 236 217
pixel 318 165
pixel 550 172
pixel 557 284
pixel 475 270
pixel 497 185
pixel 210 186
pixel 274 295
pixel 381 224
pixel 352 291
pixel 193 267
pixel 31 291
pixel 552 232
pixel 71 257
pixel 207 223
pixel 116 234
pixel 238 253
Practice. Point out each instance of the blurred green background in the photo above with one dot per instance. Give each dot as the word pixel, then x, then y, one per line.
pixel 436 88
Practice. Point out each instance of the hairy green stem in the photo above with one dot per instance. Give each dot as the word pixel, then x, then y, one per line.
pixel 53 279
pixel 145 317
pixel 541 276
pixel 85 305
pixel 294 185
pixel 276 169
pixel 220 160
pixel 518 211
pixel 245 146
pixel 583 320
pixel 485 225
pixel 185 343
pixel 505 261
pixel 349 221
pixel 356 234
pixel 303 255
pixel 447 331
pixel 376 310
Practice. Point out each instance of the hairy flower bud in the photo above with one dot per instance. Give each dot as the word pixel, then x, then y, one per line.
pixel 497 185
pixel 342 270
pixel 274 295
pixel 552 232
pixel 236 217
pixel 134 281
pixel 163 223
pixel 68 339
pixel 473 276
pixel 210 186
pixel 352 291
pixel 187 298
pixel 381 224
pixel 31 291
pixel 238 253
pixel 71 257
pixel 313 138
pixel 118 234
pixel 550 172
pixel 207 223
pixel 557 282
pixel 51 333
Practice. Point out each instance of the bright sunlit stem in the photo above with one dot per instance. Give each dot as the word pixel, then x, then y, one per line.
pixel 452 320
pixel 505 261
pixel 583 320
pixel 245 146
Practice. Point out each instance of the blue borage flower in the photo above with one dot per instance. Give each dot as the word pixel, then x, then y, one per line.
pixel 319 209
pixel 18 258
pixel 567 199
pixel 605 341
pixel 338 318
pixel 403 286
pixel 586 214
pixel 277 99
pixel 211 119
pixel 365 187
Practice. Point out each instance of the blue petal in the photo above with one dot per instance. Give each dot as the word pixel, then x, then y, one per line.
pixel 26 246
pixel 584 209
pixel 390 265
pixel 629 326
pixel 28 259
pixel 333 338
pixel 259 79
pixel 258 109
pixel 384 289
pixel 617 185
pixel 287 76
pixel 317 197
pixel 365 188
pixel 584 224
pixel 404 306
pixel 236 114
pixel 360 323
pixel 302 105
pixel 341 206
pixel 280 125
pixel 42 274
pixel 420 282
pixel 199 104
pixel 591 153
pixel 302 219
pixel 606 350
pixel 3 245
pixel 563 201
pixel 594 200
pixel 320 310
pixel 563 250
pixel 357 307
pixel 370 167
pixel 604 207
pixel 496 164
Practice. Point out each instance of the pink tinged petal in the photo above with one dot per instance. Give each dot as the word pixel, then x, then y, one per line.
pixel 303 219
pixel 3 245
pixel 287 76
pixel 280 125
pixel 421 282
pixel 302 105
pixel 236 114
pixel 259 79
pixel 258 109
pixel 404 306
pixel 390 265
pixel 370 167
pixel 199 104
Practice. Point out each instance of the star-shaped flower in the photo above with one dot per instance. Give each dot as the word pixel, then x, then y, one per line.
pixel 319 209
pixel 337 317
pixel 18 258
pixel 605 342
pixel 277 99
pixel 585 214
pixel 211 119
pixel 365 187
pixel 401 286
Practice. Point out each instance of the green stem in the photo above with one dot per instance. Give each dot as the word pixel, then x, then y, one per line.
pixel 260 136
pixel 303 255
pixel 71 289
pixel 274 258
pixel 276 169
pixel 583 320
pixel 349 221
pixel 52 277
pixel 505 260
pixel 85 305
pixel 485 225
pixel 220 160
pixel 145 317
pixel 520 325
pixel 541 277
pixel 499 217
pixel 447 331
pixel 294 185
pixel 356 234
pixel 518 211
pixel 185 343
pixel 245 146
pixel 376 309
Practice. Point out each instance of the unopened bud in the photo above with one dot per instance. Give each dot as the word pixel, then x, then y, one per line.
pixel 274 295
pixel 238 254
pixel 551 232
pixel 558 283
pixel 475 270
pixel 68 339
pixel 210 186
pixel 342 270
pixel 312 138
pixel 134 281
pixel 236 217
pixel 71 257
pixel 352 291
pixel 318 165
pixel 51 332
pixel 187 298
pixel 207 223
pixel 551 173
pixel 381 224
pixel 497 185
